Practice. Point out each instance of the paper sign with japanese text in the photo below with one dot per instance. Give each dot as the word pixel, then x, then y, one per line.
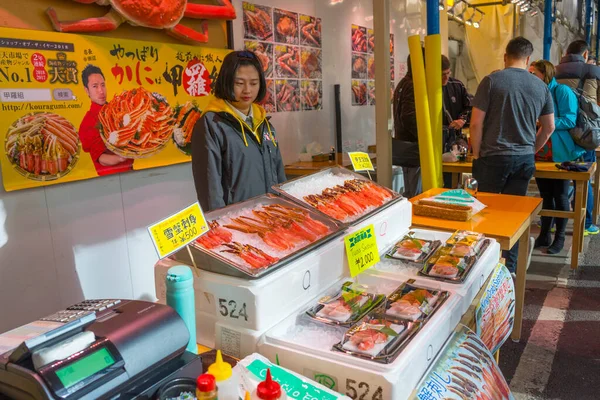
pixel 361 161
pixel 361 250
pixel 178 230
pixel 76 107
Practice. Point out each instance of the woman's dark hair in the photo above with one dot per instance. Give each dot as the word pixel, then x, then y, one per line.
pixel 226 78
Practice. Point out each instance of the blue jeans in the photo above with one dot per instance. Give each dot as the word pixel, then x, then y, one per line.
pixel 507 175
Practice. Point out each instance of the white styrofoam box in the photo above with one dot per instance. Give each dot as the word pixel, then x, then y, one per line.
pixel 355 377
pixel 393 269
pixel 258 304
pixel 205 329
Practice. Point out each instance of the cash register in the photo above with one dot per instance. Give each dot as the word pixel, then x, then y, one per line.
pixel 97 349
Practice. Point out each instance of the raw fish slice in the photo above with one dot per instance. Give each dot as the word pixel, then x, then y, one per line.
pixel 405 309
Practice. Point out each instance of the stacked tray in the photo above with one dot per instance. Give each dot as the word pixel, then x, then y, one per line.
pixel 258 236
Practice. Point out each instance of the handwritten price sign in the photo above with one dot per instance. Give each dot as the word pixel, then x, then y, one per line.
pixel 361 161
pixel 361 250
pixel 178 230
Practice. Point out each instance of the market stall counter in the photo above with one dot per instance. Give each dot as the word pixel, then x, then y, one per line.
pixel 506 219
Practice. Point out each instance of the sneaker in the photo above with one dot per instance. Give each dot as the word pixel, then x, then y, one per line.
pixel 592 230
pixel 539 224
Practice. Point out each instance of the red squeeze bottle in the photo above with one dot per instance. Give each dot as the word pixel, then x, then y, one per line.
pixel 269 390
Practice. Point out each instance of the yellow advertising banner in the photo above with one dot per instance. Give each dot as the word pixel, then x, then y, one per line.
pixel 75 107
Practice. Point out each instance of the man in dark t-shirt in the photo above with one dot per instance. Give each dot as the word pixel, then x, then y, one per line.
pixel 503 130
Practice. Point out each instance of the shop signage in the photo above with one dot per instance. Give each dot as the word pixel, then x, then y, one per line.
pixel 495 312
pixel 361 161
pixel 76 107
pixel 178 230
pixel 361 250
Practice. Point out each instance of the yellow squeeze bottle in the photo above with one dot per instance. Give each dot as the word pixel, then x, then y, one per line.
pixel 223 373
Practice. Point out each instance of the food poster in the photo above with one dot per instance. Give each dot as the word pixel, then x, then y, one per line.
pixel 359 66
pixel 288 95
pixel 370 41
pixel 294 58
pixel 495 313
pixel 464 369
pixel 264 53
pixel 391 45
pixel 310 31
pixel 76 107
pixel 311 95
pixel 258 22
pixel 371 92
pixel 359 92
pixel 359 39
pixel 392 73
pixel 371 67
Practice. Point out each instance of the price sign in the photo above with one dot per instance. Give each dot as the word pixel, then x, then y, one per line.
pixel 178 230
pixel 361 161
pixel 361 250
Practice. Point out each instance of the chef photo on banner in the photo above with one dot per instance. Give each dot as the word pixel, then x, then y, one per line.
pixel 105 161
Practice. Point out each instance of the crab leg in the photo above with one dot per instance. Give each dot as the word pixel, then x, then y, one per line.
pixel 187 34
pixel 109 22
pixel 203 11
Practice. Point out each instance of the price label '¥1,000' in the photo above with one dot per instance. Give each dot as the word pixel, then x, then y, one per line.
pixel 178 230
pixel 361 161
pixel 361 250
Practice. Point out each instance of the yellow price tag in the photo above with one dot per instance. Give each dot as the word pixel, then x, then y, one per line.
pixel 178 230
pixel 361 250
pixel 361 161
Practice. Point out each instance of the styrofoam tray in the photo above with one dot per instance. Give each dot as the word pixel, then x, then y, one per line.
pixel 359 378
pixel 258 304
pixel 397 270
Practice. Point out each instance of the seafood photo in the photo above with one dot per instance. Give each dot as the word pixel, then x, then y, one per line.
pixel 359 66
pixel 186 117
pixel 312 94
pixel 310 61
pixel 287 95
pixel 370 41
pixel 287 61
pixel 465 369
pixel 359 38
pixel 371 93
pixel 392 72
pixel 286 26
pixel 42 146
pixel 258 23
pixel 136 123
pixel 264 53
pixel 411 303
pixel 372 336
pixel 257 237
pixel 391 45
pixel 359 92
pixel 269 101
pixel 346 305
pixel 310 31
pixel 371 67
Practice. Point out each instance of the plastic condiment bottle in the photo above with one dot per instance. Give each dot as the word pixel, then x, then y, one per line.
pixel 180 296
pixel 206 387
pixel 268 390
pixel 226 381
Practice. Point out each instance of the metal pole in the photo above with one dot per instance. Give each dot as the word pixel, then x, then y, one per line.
pixel 381 24
pixel 588 21
pixel 433 17
pixel 548 28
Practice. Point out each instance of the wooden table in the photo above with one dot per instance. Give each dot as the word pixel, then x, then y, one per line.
pixel 308 167
pixel 506 219
pixel 548 170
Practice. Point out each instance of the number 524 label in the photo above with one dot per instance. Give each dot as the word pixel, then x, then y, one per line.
pixel 361 250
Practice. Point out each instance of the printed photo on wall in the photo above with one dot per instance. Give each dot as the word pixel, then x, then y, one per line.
pixel 286 26
pixel 391 45
pixel 312 95
pixel 371 67
pixel 392 70
pixel 269 101
pixel 287 61
pixel 258 22
pixel 288 95
pixel 359 66
pixel 359 92
pixel 370 41
pixel 264 52
pixel 359 38
pixel 371 92
pixel 311 63
pixel 310 31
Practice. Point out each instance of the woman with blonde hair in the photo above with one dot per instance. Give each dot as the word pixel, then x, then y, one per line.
pixel 559 148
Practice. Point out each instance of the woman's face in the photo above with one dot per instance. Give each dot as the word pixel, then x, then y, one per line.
pixel 245 87
pixel 536 72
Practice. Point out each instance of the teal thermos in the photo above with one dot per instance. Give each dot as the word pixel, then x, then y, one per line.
pixel 180 296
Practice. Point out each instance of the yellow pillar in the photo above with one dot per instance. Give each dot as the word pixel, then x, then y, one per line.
pixel 433 72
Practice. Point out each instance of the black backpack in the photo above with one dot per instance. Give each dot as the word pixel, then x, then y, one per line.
pixel 587 129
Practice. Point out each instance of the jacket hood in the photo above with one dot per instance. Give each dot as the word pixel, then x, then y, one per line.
pixel 572 58
pixel 552 84
pixel 259 115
